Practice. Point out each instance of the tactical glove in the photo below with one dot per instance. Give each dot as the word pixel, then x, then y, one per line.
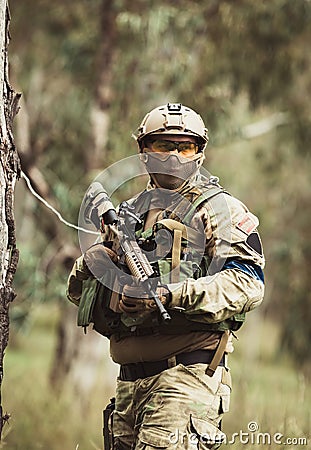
pixel 135 300
pixel 97 259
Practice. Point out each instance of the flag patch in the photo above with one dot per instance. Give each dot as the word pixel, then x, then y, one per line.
pixel 248 223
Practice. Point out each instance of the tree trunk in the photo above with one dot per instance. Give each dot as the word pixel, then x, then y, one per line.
pixel 104 94
pixel 9 172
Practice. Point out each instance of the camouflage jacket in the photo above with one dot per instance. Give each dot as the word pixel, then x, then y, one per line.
pixel 229 280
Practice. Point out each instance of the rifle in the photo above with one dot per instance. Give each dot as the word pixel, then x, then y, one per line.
pixel 100 211
pixel 107 424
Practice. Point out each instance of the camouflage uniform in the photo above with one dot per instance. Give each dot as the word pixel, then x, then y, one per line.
pixel 178 409
pixel 174 383
pixel 181 406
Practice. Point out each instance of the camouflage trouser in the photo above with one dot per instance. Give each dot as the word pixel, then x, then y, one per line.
pixel 180 408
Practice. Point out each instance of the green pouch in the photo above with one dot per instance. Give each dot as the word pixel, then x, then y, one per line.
pixel 87 302
pixel 165 267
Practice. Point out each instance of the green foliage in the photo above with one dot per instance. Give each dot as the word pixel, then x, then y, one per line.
pixel 39 419
pixel 266 389
pixel 234 62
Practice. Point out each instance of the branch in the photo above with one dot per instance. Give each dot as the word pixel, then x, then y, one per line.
pixel 264 126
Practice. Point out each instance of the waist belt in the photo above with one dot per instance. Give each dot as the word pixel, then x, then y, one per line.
pixel 134 371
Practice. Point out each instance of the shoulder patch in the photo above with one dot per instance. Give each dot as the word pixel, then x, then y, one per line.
pixel 248 223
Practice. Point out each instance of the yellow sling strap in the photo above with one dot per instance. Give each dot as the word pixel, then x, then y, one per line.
pixel 218 354
pixel 179 231
pixel 196 238
pixel 172 225
pixel 176 249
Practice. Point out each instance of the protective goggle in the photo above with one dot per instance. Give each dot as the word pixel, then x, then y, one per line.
pixel 185 148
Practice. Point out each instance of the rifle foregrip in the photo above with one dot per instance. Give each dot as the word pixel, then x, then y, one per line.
pixel 135 267
pixel 138 263
pixel 141 268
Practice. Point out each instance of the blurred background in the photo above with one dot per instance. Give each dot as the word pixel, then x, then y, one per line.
pixel 88 72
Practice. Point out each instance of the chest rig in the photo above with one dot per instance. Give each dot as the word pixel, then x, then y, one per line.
pixel 173 244
pixel 176 251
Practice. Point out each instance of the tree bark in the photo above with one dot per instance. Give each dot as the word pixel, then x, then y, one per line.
pixel 9 172
pixel 104 93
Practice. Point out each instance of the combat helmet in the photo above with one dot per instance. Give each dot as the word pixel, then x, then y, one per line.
pixel 172 118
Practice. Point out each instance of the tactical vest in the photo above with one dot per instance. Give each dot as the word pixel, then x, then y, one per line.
pixel 177 265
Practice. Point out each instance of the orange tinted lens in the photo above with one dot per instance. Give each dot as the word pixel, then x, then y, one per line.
pixel 163 146
pixel 187 147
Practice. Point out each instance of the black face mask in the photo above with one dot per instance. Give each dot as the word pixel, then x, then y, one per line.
pixel 170 171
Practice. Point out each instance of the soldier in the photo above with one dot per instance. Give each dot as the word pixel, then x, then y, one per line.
pixel 174 383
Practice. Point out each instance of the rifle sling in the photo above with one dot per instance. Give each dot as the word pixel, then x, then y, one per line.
pixel 218 354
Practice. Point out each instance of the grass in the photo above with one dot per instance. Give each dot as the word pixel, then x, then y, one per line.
pixel 40 419
pixel 267 390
